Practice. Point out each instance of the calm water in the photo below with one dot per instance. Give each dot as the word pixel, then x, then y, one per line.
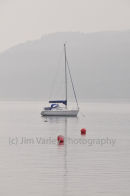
pixel 33 164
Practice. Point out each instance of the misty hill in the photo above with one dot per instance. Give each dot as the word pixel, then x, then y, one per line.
pixel 100 66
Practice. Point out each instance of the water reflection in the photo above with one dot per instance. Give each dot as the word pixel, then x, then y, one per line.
pixel 60 119
pixel 63 122
pixel 65 178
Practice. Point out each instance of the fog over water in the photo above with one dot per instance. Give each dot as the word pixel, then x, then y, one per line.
pixel 32 71
pixel 99 64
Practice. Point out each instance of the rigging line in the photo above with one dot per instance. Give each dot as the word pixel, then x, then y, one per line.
pixel 72 84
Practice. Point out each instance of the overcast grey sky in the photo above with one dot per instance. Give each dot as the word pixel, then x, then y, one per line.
pixel 22 20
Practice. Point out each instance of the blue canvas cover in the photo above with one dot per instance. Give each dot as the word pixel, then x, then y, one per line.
pixel 59 101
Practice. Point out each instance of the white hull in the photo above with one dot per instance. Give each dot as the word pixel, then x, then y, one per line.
pixel 59 113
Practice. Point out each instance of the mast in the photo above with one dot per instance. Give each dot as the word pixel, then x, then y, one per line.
pixel 65 75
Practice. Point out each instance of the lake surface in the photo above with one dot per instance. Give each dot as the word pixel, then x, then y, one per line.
pixel 33 164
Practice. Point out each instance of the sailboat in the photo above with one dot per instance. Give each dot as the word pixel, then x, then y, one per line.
pixel 60 107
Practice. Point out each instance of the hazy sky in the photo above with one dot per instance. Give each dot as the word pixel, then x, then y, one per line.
pixel 22 20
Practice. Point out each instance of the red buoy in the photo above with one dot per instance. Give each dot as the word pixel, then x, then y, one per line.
pixel 83 131
pixel 60 139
